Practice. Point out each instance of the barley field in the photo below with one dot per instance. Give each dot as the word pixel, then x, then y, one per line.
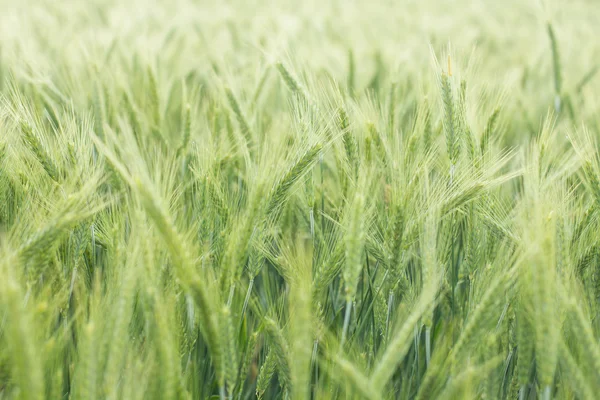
pixel 299 199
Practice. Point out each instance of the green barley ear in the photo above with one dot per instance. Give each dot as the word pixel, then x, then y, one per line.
pixel 40 153
pixel 19 336
pixel 397 236
pixel 584 331
pixel 355 242
pixel 351 73
pixel 291 175
pixel 328 270
pixel 187 130
pixel 122 311
pixel 229 348
pixel 368 149
pixel 466 132
pixel 427 129
pixel 155 108
pixel 281 351
pixel 376 138
pixel 290 81
pixel 301 332
pixel 86 386
pixel 267 370
pixel 154 98
pixel 349 140
pixel 400 343
pixel 35 249
pixel 555 67
pixel 574 370
pixel 450 121
pixel 590 175
pixel 72 154
pixel 181 253
pixel 392 109
pixel 249 356
pixel 489 130
pixel 217 200
pixel 166 350
pixel 483 314
pixel 2 154
pixel 525 347
pixel 242 121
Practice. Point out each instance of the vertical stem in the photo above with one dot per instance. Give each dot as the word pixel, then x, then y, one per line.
pixel 246 300
pixel 389 312
pixel 313 360
pixel 346 322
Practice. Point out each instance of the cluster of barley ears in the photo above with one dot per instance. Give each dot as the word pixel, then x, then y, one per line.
pixel 197 204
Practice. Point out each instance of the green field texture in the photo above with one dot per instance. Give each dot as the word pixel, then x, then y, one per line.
pixel 354 199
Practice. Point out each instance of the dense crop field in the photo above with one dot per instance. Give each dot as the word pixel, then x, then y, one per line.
pixel 299 199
